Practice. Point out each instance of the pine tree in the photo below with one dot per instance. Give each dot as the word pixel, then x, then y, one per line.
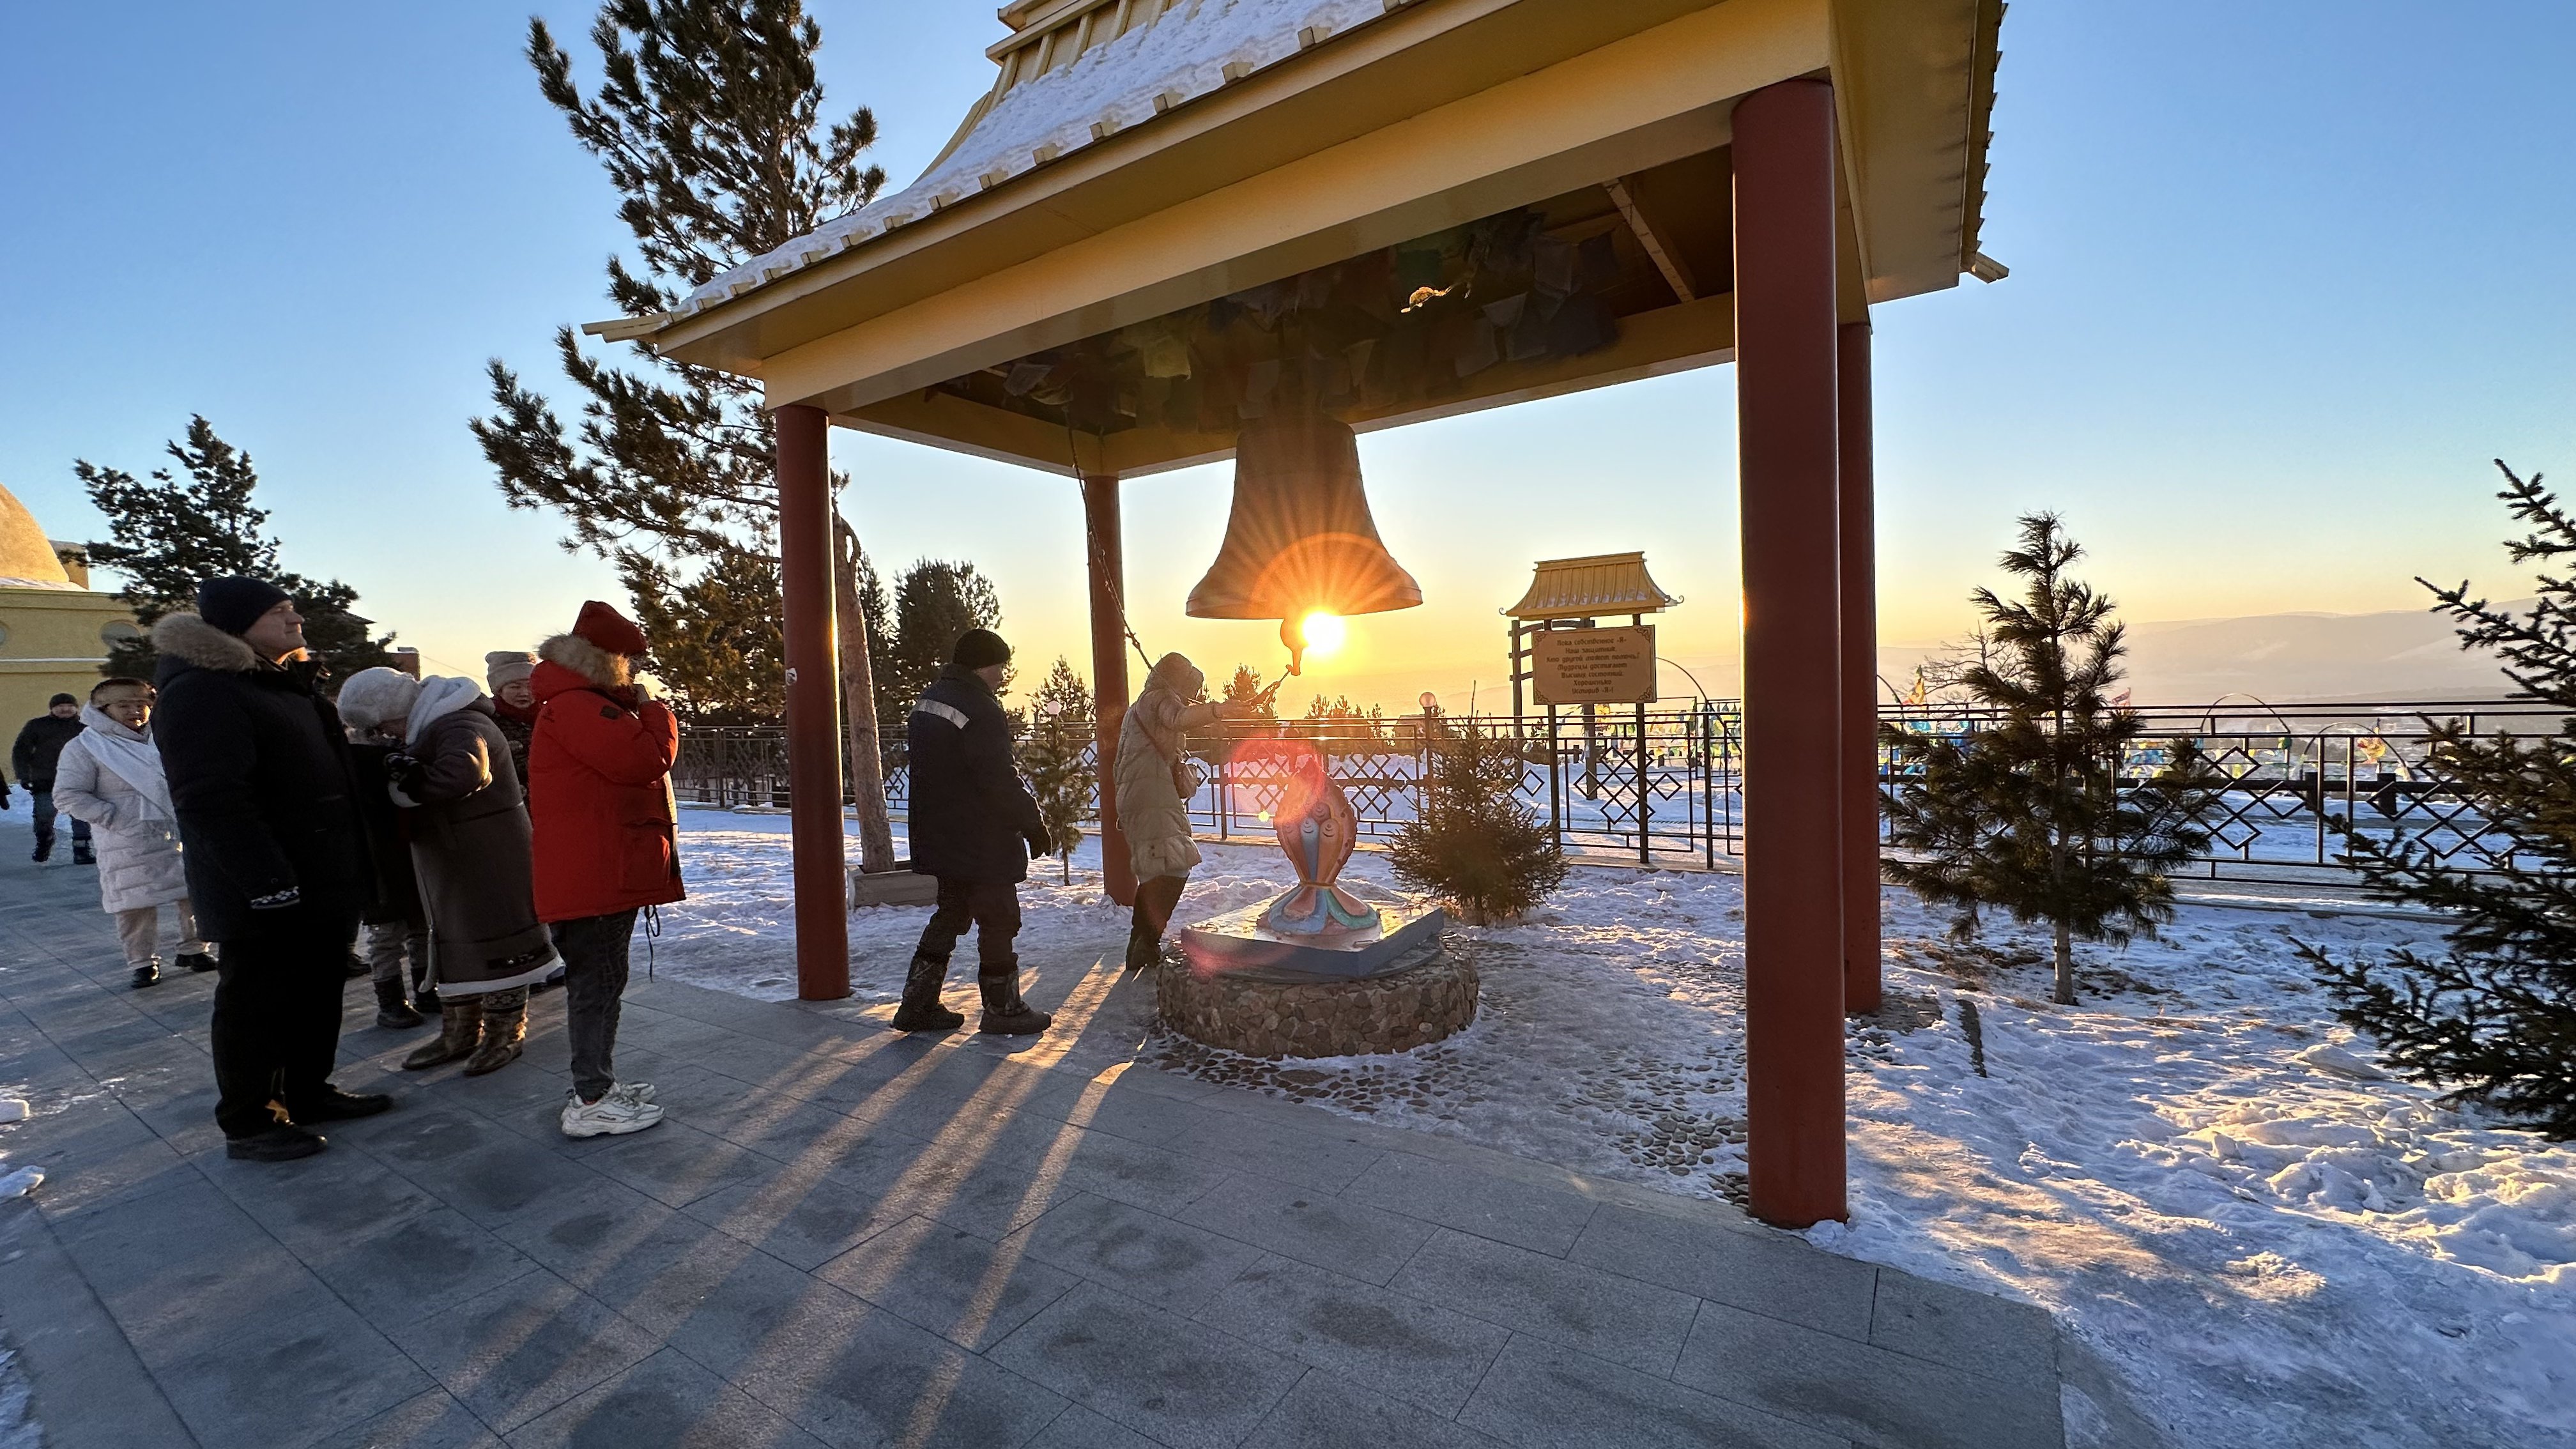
pixel 1053 756
pixel 709 122
pixel 716 637
pixel 1247 699
pixel 2028 814
pixel 1473 840
pixel 2493 1017
pixel 935 602
pixel 172 533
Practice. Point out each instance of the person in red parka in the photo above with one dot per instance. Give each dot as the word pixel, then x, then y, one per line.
pixel 599 795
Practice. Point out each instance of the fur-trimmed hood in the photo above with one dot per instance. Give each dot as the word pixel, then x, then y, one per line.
pixel 596 666
pixel 192 640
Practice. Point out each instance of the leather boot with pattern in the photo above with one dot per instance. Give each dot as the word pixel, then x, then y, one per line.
pixel 505 1030
pixel 921 1010
pixel 1005 1014
pixel 460 1029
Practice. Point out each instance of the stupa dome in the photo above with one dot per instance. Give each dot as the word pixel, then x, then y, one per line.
pixel 25 556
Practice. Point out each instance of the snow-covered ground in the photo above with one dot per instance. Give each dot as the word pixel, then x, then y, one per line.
pixel 2195 1170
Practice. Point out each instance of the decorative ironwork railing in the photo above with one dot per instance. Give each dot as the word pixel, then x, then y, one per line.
pixel 1665 785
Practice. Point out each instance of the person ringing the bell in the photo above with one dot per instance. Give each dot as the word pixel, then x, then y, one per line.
pixel 1155 783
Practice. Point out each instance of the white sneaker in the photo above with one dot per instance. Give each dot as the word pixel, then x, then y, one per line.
pixel 633 1091
pixel 612 1115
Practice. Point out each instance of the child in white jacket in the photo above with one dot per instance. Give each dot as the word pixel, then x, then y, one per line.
pixel 110 775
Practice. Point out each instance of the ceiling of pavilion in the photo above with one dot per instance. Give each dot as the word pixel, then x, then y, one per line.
pixel 1449 318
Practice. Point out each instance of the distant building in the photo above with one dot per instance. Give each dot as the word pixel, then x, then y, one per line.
pixel 54 631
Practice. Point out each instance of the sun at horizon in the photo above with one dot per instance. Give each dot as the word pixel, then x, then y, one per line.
pixel 1324 633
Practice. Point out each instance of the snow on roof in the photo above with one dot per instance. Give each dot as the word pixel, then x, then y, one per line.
pixel 1177 55
pixel 1592 587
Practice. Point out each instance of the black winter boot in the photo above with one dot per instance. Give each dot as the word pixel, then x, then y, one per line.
pixel 82 854
pixel 392 1012
pixel 146 974
pixel 921 1010
pixel 197 961
pixel 1144 943
pixel 1005 1014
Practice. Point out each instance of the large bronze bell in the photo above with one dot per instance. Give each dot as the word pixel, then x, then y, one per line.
pixel 1300 539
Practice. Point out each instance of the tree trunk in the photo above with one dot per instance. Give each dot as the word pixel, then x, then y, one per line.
pixel 859 704
pixel 2065 966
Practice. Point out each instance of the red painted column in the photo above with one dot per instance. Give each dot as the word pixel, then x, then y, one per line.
pixel 1793 747
pixel 1106 551
pixel 1860 674
pixel 813 703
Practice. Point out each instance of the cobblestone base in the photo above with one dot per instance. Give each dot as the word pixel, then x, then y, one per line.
pixel 1270 1018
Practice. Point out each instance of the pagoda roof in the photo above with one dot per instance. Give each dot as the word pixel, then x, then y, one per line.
pixel 1137 163
pixel 1594 586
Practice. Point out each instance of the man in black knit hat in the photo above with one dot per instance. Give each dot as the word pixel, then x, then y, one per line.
pixel 39 744
pixel 276 857
pixel 975 827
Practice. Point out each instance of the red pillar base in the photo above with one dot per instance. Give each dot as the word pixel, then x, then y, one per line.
pixel 1793 866
pixel 1860 674
pixel 1105 551
pixel 813 704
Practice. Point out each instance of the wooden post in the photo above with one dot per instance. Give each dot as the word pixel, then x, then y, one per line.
pixel 813 704
pixel 1108 669
pixel 1786 438
pixel 1856 504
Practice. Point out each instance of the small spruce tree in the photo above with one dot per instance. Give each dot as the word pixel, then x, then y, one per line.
pixel 1051 755
pixel 716 637
pixel 1247 699
pixel 1473 840
pixel 935 601
pixel 2493 1016
pixel 172 532
pixel 2028 813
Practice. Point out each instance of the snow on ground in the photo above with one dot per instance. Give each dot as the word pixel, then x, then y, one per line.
pixel 2196 1170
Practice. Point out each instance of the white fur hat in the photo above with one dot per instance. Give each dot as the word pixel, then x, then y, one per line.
pixel 372 696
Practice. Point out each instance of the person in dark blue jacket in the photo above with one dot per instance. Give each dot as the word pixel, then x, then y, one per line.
pixel 975 827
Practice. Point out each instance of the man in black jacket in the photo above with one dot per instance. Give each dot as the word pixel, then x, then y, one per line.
pixel 975 827
pixel 40 744
pixel 276 855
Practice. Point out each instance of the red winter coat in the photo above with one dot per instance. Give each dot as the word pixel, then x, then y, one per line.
pixel 599 794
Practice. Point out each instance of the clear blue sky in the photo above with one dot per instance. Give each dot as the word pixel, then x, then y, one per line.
pixel 2284 277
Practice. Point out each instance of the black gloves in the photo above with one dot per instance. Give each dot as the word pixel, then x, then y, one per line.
pixel 1039 844
pixel 403 772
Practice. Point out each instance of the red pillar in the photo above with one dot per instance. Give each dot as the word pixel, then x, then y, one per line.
pixel 813 703
pixel 1860 674
pixel 1108 669
pixel 1793 749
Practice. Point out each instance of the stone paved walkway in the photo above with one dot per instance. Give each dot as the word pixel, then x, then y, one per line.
pixel 842 1236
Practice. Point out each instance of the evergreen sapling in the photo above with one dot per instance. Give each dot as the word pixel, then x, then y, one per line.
pixel 1474 841
pixel 1054 757
pixel 2492 1017
pixel 2028 813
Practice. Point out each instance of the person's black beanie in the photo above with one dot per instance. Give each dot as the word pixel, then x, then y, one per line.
pixel 234 604
pixel 60 699
pixel 980 648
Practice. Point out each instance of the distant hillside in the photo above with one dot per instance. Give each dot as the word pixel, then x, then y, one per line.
pixel 2399 655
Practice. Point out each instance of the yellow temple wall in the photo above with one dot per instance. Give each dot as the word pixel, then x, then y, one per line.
pixel 52 645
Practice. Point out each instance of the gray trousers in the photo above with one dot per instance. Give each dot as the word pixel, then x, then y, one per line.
pixel 392 943
pixel 140 931
pixel 594 952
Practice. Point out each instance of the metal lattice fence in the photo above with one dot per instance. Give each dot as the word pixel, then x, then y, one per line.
pixel 1665 785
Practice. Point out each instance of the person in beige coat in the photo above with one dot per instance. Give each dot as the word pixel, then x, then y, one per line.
pixel 110 776
pixel 1155 782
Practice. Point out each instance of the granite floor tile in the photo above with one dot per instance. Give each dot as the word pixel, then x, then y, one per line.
pixel 1143 1255
pixel 1177 1382
pixel 1402 1347
pixel 1352 1239
pixel 964 1288
pixel 1625 1322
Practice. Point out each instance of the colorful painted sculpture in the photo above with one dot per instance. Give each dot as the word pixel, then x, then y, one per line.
pixel 1317 828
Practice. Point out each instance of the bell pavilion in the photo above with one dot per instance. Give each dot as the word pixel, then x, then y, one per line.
pixel 1179 231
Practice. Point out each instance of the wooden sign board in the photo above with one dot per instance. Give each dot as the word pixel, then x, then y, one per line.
pixel 1594 666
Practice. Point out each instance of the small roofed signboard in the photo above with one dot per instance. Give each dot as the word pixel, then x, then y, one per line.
pixel 1594 666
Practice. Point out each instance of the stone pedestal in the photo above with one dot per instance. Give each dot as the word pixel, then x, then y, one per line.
pixel 1423 997
pixel 1247 938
